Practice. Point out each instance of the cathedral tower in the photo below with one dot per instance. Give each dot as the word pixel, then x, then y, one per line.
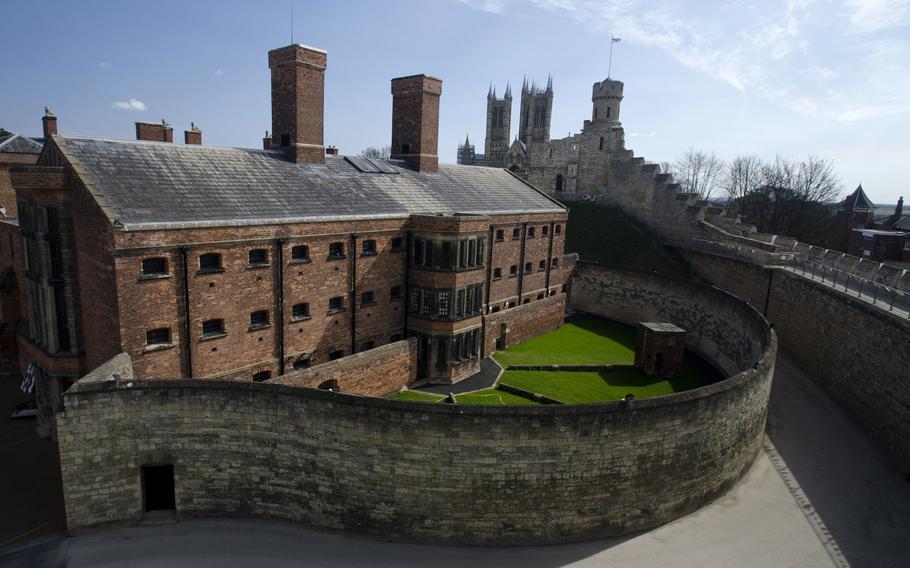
pixel 499 124
pixel 536 111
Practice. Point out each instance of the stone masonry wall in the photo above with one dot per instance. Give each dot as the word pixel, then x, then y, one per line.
pixel 421 472
pixel 858 353
pixel 377 372
pixel 523 322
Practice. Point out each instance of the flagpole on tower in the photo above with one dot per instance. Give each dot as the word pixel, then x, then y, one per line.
pixel 613 39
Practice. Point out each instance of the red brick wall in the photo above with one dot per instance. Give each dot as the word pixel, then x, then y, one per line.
pixel 298 93
pixel 415 120
pixel 377 372
pixel 524 322
pixel 7 193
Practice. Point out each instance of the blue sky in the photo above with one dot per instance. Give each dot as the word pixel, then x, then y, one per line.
pixel 796 77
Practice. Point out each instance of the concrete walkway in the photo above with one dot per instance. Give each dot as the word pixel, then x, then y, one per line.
pixel 483 379
pixel 820 495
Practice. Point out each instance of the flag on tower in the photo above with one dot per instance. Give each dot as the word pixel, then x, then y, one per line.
pixel 615 39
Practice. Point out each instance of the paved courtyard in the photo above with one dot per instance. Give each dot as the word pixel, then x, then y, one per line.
pixel 819 495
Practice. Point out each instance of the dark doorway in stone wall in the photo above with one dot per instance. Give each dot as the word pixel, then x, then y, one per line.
pixel 158 487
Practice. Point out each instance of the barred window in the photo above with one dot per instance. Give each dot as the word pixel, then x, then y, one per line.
pixel 212 327
pixel 209 262
pixel 395 293
pixel 544 231
pixel 368 248
pixel 497 273
pixel 259 257
pixel 259 319
pixel 557 229
pixel 336 304
pixel 414 306
pixel 160 336
pixel 500 236
pixel 542 265
pixel 442 304
pixel 334 355
pixel 154 266
pixel 366 299
pixel 300 311
pixel 336 250
pixel 397 244
pixel 262 376
pixel 300 253
pixel 516 234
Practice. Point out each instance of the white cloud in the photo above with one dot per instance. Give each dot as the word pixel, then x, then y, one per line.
pixel 820 74
pixel 491 6
pixel 219 72
pixel 867 16
pixel 104 64
pixel 132 104
pixel 643 134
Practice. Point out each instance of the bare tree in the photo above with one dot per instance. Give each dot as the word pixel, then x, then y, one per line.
pixel 4 132
pixel 699 172
pixel 373 152
pixel 743 177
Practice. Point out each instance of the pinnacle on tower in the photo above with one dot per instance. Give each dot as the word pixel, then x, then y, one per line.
pixel 549 83
pixel 467 142
pixel 490 92
pixel 524 85
pixel 508 91
pixel 494 91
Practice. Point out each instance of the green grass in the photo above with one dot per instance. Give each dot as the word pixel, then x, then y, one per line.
pixel 579 387
pixel 607 235
pixel 580 342
pixel 416 395
pixel 492 396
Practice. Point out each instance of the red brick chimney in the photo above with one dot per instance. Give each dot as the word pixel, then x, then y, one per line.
pixel 267 141
pixel 49 123
pixel 415 121
pixel 298 79
pixel 154 131
pixel 193 135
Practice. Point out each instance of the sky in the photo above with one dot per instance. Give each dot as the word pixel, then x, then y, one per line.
pixel 763 77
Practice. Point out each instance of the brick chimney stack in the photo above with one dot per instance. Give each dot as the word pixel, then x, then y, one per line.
pixel 193 135
pixel 415 121
pixel 899 210
pixel 298 92
pixel 155 131
pixel 48 123
pixel 267 141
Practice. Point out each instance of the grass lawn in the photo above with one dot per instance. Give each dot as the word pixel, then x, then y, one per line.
pixel 492 396
pixel 581 387
pixel 580 342
pixel 416 395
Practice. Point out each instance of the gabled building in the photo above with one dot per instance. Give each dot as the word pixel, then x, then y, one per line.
pixel 245 264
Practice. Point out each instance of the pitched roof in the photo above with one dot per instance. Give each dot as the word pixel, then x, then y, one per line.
pixel 857 201
pixel 18 144
pixel 146 185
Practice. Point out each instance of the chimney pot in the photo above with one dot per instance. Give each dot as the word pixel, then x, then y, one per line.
pixel 899 210
pixel 331 151
pixel 48 123
pixel 193 135
pixel 415 121
pixel 298 93
pixel 154 131
pixel 267 141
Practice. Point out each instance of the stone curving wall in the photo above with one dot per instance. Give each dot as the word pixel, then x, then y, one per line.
pixel 859 353
pixel 431 473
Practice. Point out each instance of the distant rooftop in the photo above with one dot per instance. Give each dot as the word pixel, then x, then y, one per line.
pixel 18 144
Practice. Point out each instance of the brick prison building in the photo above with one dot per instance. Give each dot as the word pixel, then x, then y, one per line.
pixel 247 264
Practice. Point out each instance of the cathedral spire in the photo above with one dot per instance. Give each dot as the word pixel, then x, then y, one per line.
pixel 508 90
pixel 524 84
pixel 490 92
pixel 549 83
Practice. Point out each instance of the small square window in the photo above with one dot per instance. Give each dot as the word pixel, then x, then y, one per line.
pixel 300 311
pixel 210 262
pixel 544 231
pixel 528 268
pixel 497 273
pixel 397 244
pixel 334 355
pixel 213 328
pixel 367 345
pixel 259 257
pixel 301 363
pixel 540 296
pixel 500 235
pixel 531 232
pixel 513 270
pixel 516 234
pixel 366 299
pixel 395 293
pixel 368 248
pixel 336 250
pixel 336 304
pixel 259 319
pixel 262 376
pixel 154 266
pixel 554 263
pixel 557 229
pixel 160 336
pixel 300 253
pixel 542 265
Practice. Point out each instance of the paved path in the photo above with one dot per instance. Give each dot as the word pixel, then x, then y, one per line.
pixel 483 379
pixel 860 288
pixel 820 495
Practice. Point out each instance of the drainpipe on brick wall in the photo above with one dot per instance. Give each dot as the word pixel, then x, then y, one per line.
pixel 768 293
pixel 188 342
pixel 407 281
pixel 549 261
pixel 521 262
pixel 489 269
pixel 279 303
pixel 352 287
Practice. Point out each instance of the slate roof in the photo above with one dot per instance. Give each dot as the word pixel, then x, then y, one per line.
pixel 18 144
pixel 147 185
pixel 857 201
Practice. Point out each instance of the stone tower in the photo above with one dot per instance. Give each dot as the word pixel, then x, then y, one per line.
pixel 499 122
pixel 606 98
pixel 536 111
